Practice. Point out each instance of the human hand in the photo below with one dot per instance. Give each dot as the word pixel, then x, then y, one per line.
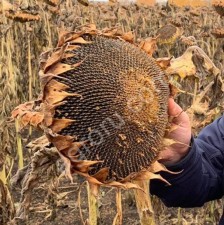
pixel 180 132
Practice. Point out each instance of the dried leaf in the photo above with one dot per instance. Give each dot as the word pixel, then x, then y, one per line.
pixel 41 141
pixel 164 63
pixel 188 40
pixel 94 188
pixel 168 142
pixel 126 185
pixel 174 90
pixel 55 57
pixel 62 37
pixel 128 37
pixel 7 205
pixel 52 2
pixel 53 92
pixel 85 165
pixel 112 2
pixel 89 178
pixel 218 32
pixel 60 68
pixel 174 126
pixel 68 55
pixel 89 28
pixel 59 124
pixel 72 47
pixel 80 40
pixel 61 142
pixel 67 164
pixel 57 86
pixel 84 2
pixel 146 175
pixel 184 65
pixel 102 174
pixel 5 6
pixel 48 111
pixel 27 115
pixel 36 119
pixel 73 149
pixel 157 167
pixel 54 97
pixel 22 108
pixel 199 107
pixel 149 45
pixel 45 78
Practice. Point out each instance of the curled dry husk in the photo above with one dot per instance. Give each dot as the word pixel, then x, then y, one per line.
pixel 40 113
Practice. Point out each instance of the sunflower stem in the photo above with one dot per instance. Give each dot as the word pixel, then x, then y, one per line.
pixel 118 217
pixel 92 191
pixel 143 203
pixel 19 145
pixel 3 174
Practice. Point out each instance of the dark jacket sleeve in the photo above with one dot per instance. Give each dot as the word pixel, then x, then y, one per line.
pixel 202 178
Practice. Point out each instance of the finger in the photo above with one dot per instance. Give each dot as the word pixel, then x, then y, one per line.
pixel 179 116
pixel 165 155
pixel 173 108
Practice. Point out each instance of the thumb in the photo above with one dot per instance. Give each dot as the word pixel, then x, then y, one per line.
pixel 173 108
pixel 175 111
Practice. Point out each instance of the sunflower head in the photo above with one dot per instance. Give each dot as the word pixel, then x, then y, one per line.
pixel 103 106
pixel 168 34
pixel 219 7
pixel 218 33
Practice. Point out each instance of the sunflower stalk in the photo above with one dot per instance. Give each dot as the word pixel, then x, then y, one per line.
pixel 118 217
pixel 19 145
pixel 3 174
pixel 92 191
pixel 143 203
pixel 30 75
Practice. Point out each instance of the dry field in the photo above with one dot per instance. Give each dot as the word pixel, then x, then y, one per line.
pixel 35 191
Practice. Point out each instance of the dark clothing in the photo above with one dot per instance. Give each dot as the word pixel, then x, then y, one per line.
pixel 202 178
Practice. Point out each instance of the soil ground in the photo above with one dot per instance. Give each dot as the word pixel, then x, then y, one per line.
pixel 63 208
